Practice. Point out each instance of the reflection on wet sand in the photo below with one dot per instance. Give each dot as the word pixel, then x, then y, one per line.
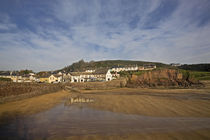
pixel 65 121
pixel 78 99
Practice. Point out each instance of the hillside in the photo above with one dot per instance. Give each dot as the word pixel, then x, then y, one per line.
pixel 82 65
pixel 196 67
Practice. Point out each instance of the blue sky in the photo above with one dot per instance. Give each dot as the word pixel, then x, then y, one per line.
pixel 51 34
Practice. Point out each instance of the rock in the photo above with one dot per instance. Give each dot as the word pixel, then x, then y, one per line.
pixel 162 78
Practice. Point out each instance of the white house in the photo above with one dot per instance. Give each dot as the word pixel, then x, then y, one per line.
pixel 175 64
pixel 108 76
pixel 118 69
pixel 66 77
pixel 17 78
pixel 90 71
pixel 60 73
pixel 81 76
pixel 95 76
pixel 134 68
pixel 31 74
pixel 32 78
pixel 149 66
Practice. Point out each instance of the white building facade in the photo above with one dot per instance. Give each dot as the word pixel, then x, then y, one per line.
pixel 87 77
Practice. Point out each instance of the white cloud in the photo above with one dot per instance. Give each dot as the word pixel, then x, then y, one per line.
pixel 77 29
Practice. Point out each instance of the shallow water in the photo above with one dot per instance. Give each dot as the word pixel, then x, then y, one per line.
pixel 63 121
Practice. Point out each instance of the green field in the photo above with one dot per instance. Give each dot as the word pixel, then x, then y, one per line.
pixel 200 75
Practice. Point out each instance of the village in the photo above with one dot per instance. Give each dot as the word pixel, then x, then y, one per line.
pixel 89 75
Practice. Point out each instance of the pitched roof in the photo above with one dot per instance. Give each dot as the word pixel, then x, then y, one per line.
pixel 97 72
pixel 43 76
pixel 80 73
pixel 56 75
pixel 101 71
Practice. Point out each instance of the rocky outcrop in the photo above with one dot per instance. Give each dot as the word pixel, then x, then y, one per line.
pixel 162 78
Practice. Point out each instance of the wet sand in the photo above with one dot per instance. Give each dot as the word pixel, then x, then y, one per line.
pixel 66 121
pixel 153 102
pixel 114 114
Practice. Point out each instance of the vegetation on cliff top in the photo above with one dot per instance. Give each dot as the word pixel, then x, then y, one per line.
pixel 82 65
pixel 196 67
pixel 198 75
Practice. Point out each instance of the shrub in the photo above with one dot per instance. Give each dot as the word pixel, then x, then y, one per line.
pixel 5 79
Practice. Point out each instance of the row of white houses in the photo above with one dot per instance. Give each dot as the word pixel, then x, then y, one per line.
pixel 88 76
pixel 32 78
pixel 20 79
pixel 134 68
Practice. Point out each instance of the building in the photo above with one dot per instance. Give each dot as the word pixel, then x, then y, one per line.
pixel 149 66
pixel 141 68
pixel 55 78
pixel 134 68
pixel 175 64
pixel 31 74
pixel 108 76
pixel 90 71
pixel 17 78
pixel 99 75
pixel 81 76
pixel 33 78
pixel 115 75
pixel 66 77
pixel 44 79
pixel 118 69
pixel 12 77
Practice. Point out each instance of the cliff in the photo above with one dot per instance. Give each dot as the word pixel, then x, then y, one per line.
pixel 163 78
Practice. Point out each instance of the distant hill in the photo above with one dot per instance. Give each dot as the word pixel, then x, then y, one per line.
pixel 196 67
pixel 82 65
pixel 21 72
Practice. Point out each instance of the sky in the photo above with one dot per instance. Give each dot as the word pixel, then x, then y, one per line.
pixel 51 34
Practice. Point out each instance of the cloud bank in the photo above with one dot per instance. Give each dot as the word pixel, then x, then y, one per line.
pixel 48 35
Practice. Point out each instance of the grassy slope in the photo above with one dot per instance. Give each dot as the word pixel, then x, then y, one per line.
pixel 199 75
pixel 81 65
